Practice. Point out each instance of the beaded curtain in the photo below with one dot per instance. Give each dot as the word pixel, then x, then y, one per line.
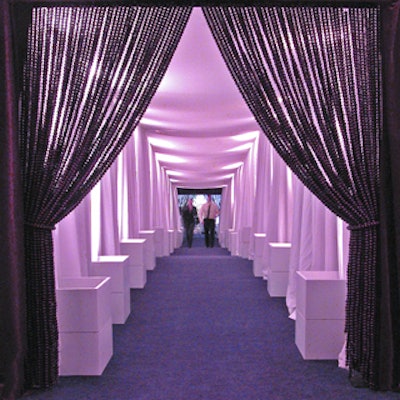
pixel 311 77
pixel 89 75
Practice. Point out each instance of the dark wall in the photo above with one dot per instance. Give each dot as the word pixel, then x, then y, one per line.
pixel 200 191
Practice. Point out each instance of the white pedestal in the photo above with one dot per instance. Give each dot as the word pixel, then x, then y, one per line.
pixel 159 242
pixel 259 262
pixel 84 324
pixel 320 314
pixel 137 271
pixel 117 268
pixel 234 243
pixel 244 242
pixel 228 233
pixel 222 238
pixel 149 249
pixel 171 241
pixel 178 238
pixel 278 268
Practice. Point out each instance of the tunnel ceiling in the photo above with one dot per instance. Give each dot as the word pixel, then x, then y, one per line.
pixel 198 122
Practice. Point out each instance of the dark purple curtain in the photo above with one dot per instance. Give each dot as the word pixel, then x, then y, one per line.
pixel 312 78
pixel 12 280
pixel 388 275
pixel 89 75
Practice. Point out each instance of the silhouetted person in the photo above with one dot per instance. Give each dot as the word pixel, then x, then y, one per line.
pixel 208 212
pixel 189 216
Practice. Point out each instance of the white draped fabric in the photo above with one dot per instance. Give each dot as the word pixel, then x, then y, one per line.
pixel 116 208
pixel 319 240
pixel 244 192
pixel 273 201
pixel 129 217
pixel 72 242
pixel 226 219
pixel 144 180
pixel 263 187
pixel 109 232
pixel 264 195
pixel 279 211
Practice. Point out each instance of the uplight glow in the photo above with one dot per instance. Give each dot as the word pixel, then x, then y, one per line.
pixel 174 173
pixel 233 166
pixel 170 158
pixel 245 137
pixel 159 142
pixel 242 147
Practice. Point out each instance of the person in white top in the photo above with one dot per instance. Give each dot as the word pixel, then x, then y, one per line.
pixel 208 212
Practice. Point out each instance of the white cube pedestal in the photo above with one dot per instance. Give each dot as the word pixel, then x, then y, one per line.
pixel 117 268
pixel 171 241
pixel 228 238
pixel 320 314
pixel 234 243
pixel 222 238
pixel 259 263
pixel 159 242
pixel 137 271
pixel 278 268
pixel 244 243
pixel 149 250
pixel 84 324
pixel 178 238
pixel 244 249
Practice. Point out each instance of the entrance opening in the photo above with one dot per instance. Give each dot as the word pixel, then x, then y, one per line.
pixel 199 197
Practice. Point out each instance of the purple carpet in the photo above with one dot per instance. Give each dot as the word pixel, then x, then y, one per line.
pixel 205 328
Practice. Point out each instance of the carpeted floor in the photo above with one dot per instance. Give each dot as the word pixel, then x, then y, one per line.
pixel 205 328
